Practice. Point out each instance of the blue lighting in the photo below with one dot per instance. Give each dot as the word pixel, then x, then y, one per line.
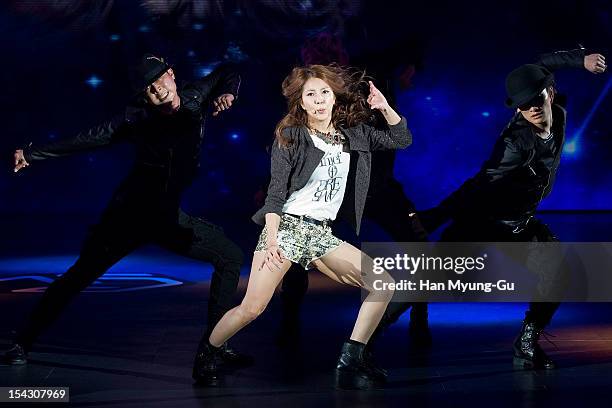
pixel 235 53
pixel 203 70
pixel 52 136
pixel 235 136
pixel 571 147
pixel 144 28
pixel 486 114
pixel 191 53
pixel 198 26
pixel 114 37
pixel 184 269
pixel 305 4
pixel 428 98
pixel 94 81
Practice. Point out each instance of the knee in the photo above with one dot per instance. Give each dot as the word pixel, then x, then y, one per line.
pixel 383 287
pixel 250 311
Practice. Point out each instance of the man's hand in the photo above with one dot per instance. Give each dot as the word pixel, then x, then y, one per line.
pixel 20 161
pixel 222 103
pixel 595 63
pixel 376 99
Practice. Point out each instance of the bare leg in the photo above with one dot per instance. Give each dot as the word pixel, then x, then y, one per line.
pixel 344 265
pixel 262 283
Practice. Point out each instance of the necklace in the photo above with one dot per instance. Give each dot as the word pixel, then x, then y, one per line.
pixel 334 137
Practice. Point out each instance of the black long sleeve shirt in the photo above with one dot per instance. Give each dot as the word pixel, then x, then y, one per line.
pixel 167 147
pixel 521 170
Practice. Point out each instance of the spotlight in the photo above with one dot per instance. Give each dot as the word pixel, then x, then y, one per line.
pixel 203 70
pixel 93 81
pixel 570 147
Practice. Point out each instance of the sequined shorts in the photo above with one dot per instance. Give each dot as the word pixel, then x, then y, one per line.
pixel 301 241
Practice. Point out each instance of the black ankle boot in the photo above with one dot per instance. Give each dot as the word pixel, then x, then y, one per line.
pixel 352 372
pixel 527 352
pixel 206 365
pixel 368 359
pixel 16 355
pixel 233 359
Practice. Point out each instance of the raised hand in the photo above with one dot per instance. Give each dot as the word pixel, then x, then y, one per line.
pixel 595 63
pixel 376 99
pixel 20 161
pixel 222 103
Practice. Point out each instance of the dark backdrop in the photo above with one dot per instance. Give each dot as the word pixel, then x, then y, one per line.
pixel 65 68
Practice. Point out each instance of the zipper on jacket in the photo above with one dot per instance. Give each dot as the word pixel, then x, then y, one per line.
pixel 532 170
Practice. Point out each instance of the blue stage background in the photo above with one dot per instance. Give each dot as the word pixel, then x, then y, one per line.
pixel 66 69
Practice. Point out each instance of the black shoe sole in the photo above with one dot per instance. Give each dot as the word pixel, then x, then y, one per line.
pixel 208 380
pixel 520 363
pixel 349 380
pixel 237 364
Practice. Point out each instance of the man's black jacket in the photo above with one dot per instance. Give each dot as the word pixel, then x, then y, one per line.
pixel 167 148
pixel 521 169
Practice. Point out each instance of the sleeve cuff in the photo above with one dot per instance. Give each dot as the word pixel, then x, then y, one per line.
pixel 398 124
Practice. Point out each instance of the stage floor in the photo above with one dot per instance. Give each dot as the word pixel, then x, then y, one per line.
pixel 130 342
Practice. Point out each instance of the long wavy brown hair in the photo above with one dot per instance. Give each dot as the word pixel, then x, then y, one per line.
pixel 350 88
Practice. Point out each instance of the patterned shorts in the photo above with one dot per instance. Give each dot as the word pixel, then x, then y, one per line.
pixel 301 241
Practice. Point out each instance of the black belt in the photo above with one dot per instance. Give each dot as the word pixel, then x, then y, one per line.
pixel 309 220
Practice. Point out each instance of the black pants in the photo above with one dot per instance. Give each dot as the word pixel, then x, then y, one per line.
pixel 115 237
pixel 390 208
pixel 540 313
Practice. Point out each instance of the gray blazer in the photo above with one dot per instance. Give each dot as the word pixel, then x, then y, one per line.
pixel 291 167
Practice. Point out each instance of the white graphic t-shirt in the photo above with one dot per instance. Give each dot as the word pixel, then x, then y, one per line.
pixel 322 195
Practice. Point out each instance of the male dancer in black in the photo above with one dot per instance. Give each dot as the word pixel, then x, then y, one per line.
pixel 166 125
pixel 499 203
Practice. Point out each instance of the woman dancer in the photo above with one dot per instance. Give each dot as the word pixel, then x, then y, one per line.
pixel 312 176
